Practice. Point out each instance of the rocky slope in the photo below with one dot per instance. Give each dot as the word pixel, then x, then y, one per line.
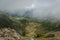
pixel 11 34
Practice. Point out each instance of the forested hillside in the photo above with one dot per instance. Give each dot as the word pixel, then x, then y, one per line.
pixel 27 27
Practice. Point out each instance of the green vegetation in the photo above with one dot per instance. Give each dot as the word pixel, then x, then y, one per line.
pixel 28 27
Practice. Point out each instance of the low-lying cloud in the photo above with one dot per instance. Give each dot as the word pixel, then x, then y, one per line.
pixel 43 8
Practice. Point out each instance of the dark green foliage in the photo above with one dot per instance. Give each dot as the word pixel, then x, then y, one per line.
pixel 21 24
pixel 24 22
pixel 39 35
pixel 5 21
pixel 50 26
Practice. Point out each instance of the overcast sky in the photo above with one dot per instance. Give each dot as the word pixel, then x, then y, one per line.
pixel 42 7
pixel 20 4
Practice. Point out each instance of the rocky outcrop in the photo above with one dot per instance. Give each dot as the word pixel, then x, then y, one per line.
pixel 9 34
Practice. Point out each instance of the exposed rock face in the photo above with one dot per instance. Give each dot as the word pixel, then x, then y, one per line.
pixel 9 34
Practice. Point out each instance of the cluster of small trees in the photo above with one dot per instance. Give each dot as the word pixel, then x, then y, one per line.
pixel 5 21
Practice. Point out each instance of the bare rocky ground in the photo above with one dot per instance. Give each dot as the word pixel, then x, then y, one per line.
pixel 10 34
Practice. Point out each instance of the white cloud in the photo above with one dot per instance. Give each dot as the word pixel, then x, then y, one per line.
pixel 43 7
